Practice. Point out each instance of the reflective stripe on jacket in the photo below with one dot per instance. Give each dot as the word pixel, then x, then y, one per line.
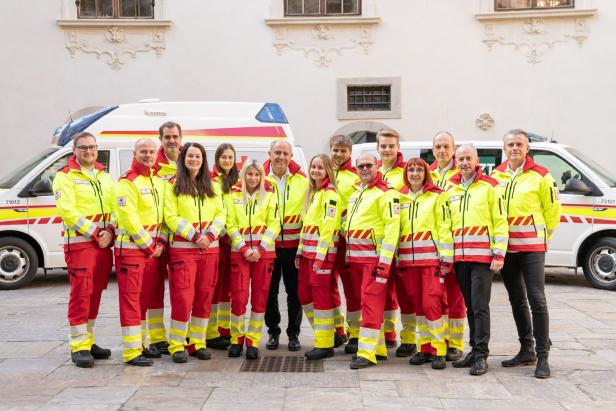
pixel 85 203
pixel 478 219
pixel 425 228
pixel 532 203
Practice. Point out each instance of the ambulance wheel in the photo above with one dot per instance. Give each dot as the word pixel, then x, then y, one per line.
pixel 18 263
pixel 600 264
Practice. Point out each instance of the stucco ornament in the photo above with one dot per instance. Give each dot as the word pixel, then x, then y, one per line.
pixel 484 121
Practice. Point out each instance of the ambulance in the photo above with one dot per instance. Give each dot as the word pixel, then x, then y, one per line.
pixel 586 236
pixel 30 227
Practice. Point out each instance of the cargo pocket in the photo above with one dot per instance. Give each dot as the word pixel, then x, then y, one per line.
pixel 130 277
pixel 322 277
pixel 236 282
pixel 81 281
pixel 178 275
pixel 437 285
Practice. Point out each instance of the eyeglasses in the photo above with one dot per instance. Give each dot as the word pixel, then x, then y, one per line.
pixel 367 166
pixel 83 149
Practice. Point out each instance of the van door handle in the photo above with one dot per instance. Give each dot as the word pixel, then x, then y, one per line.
pixel 599 208
pixel 20 210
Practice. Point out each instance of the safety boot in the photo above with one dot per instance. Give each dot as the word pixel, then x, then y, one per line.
pixel 543 369
pixel 140 361
pixel 151 352
pixel 252 353
pixel 360 362
pixel 351 347
pixel 524 357
pixel 99 353
pixel 272 342
pixel 180 357
pixel 466 362
pixel 420 358
pixel 294 344
pixel 406 350
pixel 218 343
pixel 161 346
pixel 339 340
pixel 201 354
pixel 439 363
pixel 480 366
pixel 319 353
pixel 454 354
pixel 82 359
pixel 236 350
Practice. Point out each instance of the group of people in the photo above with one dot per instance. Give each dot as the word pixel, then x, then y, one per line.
pixel 405 238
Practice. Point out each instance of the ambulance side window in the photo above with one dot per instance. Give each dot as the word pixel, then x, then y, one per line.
pixel 489 158
pixel 50 172
pixel 560 169
pixel 126 159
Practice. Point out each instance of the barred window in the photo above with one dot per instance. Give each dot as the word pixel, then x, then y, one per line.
pixel 503 5
pixel 322 7
pixel 115 9
pixel 369 98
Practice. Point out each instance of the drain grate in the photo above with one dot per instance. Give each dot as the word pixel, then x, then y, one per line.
pixel 282 364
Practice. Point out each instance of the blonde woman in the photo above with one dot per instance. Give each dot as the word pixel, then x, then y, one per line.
pixel 317 253
pixel 252 225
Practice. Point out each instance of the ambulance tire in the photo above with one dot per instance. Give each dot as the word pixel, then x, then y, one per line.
pixel 16 255
pixel 599 264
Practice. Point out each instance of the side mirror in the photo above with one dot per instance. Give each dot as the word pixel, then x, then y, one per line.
pixel 577 186
pixel 41 188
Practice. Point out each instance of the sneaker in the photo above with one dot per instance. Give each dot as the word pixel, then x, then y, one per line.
pixel 406 350
pixel 161 346
pixel 454 354
pixel 480 367
pixel 140 361
pixel 521 358
pixel 420 358
pixel 467 362
pixel 99 353
pixel 218 343
pixel 319 353
pixel 439 363
pixel 236 350
pixel 179 357
pixel 82 359
pixel 252 353
pixel 351 347
pixel 543 369
pixel 201 354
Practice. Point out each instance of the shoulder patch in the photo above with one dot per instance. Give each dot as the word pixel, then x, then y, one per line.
pixel 331 211
pixel 57 194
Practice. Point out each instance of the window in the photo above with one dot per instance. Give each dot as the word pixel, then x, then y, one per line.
pixel 503 5
pixel 369 98
pixel 322 7
pixel 561 170
pixel 115 9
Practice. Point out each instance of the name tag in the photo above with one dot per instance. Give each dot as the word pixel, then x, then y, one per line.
pixel 381 280
pixel 405 205
pixel 454 198
pixel 145 191
pixel 503 184
pixel 238 201
pixel 80 181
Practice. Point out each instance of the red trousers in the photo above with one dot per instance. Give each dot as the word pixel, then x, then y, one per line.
pixel 222 292
pixel 391 307
pixel 314 290
pixel 153 287
pixel 89 269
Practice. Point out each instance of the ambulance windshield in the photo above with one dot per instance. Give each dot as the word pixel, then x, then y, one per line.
pixel 604 174
pixel 8 180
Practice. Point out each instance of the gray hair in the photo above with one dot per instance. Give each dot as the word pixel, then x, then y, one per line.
pixel 446 133
pixel 273 144
pixel 470 147
pixel 516 132
pixel 368 155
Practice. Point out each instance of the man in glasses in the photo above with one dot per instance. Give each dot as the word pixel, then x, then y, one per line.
pixel 84 195
pixel 372 231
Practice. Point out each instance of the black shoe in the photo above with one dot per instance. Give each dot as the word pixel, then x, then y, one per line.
pixel 351 347
pixel 391 343
pixel 218 343
pixel 82 359
pixel 420 358
pixel 480 367
pixel 453 354
pixel 319 353
pixel 99 353
pixel 466 362
pixel 439 363
pixel 179 356
pixel 236 350
pixel 377 356
pixel 521 358
pixel 140 361
pixel 543 369
pixel 359 363
pixel 339 340
pixel 272 342
pixel 252 353
pixel 201 354
pixel 161 346
pixel 151 353
pixel 406 350
pixel 294 344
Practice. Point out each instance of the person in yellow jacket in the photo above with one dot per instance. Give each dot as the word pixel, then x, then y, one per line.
pixel 441 170
pixel 85 200
pixel 225 174
pixel 533 211
pixel 479 228
pixel 253 224
pixel 341 148
pixel 195 214
pixel 291 185
pixel 425 252
pixel 391 166
pixel 372 232
pixel 140 242
pixel 317 253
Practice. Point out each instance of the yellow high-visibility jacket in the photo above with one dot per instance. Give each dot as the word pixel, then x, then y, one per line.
pixel 85 203
pixel 191 217
pixel 140 212
pixel 319 238
pixel 251 224
pixel 425 228
pixel 346 178
pixel 395 175
pixel 478 219
pixel 441 180
pixel 164 168
pixel 226 202
pixel 373 225
pixel 532 203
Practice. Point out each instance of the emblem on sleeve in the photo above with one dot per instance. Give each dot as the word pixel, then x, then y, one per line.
pixel 121 201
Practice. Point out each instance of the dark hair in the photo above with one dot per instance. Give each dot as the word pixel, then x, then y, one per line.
pixel 168 124
pixel 202 186
pixel 81 135
pixel 417 162
pixel 228 180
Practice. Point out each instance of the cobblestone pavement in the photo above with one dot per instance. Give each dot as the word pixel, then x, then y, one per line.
pixel 36 373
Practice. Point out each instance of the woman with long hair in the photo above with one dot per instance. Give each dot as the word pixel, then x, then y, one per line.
pixel 196 216
pixel 425 253
pixel 252 224
pixel 316 255
pixel 226 175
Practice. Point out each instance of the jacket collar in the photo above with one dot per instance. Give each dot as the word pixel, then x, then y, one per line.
pixel 398 163
pixel 294 168
pixel 73 164
pixel 528 164
pixel 326 183
pixel 434 165
pixel 348 166
pixel 139 169
pixel 457 178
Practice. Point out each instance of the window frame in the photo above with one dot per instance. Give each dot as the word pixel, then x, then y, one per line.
pixel 116 12
pixel 323 6
pixel 498 9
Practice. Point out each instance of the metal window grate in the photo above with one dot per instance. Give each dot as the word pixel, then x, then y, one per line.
pixel 282 364
pixel 369 98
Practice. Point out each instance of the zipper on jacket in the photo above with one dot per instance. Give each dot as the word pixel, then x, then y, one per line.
pixel 156 198
pixel 412 218
pixel 354 209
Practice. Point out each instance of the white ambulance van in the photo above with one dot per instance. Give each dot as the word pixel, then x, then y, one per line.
pixel 586 236
pixel 30 226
